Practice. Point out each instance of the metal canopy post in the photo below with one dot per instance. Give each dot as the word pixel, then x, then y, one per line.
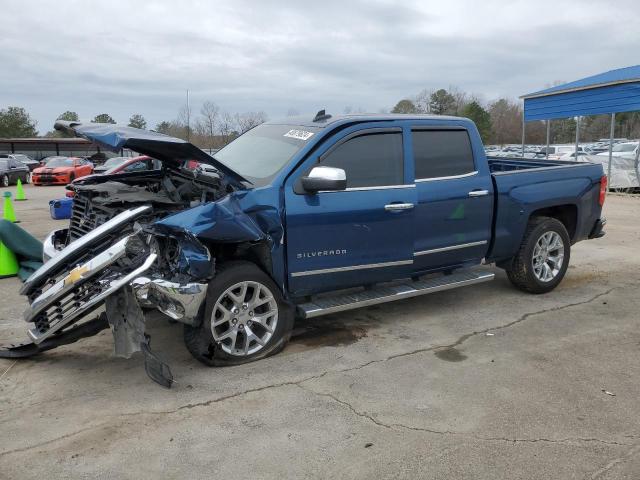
pixel 523 130
pixel 546 155
pixel 611 134
pixel 636 163
pixel 577 137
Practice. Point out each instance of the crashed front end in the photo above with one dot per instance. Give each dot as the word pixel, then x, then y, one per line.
pixel 123 274
pixel 143 240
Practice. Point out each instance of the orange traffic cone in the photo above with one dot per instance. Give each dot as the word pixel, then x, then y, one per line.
pixel 8 262
pixel 8 212
pixel 20 192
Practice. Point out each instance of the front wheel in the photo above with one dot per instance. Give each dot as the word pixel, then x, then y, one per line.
pixel 245 318
pixel 543 257
pixel 5 181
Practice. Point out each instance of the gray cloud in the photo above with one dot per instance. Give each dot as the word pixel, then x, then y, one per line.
pixel 122 58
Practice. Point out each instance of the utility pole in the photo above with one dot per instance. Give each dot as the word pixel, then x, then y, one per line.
pixel 188 118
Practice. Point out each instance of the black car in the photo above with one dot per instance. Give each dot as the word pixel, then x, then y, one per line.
pixel 26 159
pixel 11 170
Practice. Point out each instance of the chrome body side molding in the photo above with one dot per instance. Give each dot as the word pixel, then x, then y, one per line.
pixel 450 247
pixel 350 268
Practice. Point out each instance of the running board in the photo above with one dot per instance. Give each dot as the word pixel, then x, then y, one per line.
pixel 325 305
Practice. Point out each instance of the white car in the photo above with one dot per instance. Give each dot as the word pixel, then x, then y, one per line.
pixel 622 150
pixel 571 156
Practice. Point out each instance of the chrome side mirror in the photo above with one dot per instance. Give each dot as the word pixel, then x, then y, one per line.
pixel 324 179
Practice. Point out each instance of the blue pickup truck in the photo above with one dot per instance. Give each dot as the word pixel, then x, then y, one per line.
pixel 297 219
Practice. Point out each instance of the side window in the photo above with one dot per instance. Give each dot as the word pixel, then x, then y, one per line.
pixel 136 166
pixel 369 160
pixel 442 153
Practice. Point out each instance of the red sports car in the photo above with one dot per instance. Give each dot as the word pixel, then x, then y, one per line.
pixel 61 170
pixel 134 164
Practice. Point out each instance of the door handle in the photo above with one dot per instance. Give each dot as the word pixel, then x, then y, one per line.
pixel 395 207
pixel 478 193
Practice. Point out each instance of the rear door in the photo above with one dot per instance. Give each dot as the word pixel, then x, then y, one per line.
pixel 454 207
pixel 360 235
pixel 15 170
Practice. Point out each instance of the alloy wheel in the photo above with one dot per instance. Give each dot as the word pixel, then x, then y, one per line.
pixel 244 318
pixel 548 256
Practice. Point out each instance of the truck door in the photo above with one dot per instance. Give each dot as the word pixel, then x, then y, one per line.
pixel 356 236
pixel 454 211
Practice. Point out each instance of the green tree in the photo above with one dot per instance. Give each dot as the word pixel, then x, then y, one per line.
pixel 137 121
pixel 103 118
pixel 163 127
pixel 480 117
pixel 442 102
pixel 15 122
pixel 405 106
pixel 68 116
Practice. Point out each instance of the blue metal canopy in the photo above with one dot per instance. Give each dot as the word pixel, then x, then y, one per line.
pixel 608 92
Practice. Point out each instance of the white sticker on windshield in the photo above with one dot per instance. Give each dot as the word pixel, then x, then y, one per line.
pixel 299 134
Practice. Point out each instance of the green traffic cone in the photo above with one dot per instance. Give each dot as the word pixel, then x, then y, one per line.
pixel 8 212
pixel 8 262
pixel 20 192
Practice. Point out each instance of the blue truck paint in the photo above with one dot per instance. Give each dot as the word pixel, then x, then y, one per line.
pixel 331 240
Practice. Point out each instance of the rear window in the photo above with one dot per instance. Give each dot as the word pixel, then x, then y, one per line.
pixel 60 162
pixel 442 153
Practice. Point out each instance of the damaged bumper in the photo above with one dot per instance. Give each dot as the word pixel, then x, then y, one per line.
pixel 181 302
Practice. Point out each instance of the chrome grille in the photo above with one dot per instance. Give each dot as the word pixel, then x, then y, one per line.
pixel 70 303
pixel 86 216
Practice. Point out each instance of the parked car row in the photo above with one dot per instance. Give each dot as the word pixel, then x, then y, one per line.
pixel 63 170
pixel 567 152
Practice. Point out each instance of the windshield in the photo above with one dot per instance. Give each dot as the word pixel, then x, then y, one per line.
pixel 264 150
pixel 625 147
pixel 112 162
pixel 60 162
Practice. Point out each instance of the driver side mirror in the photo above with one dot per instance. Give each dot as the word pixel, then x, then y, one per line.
pixel 325 179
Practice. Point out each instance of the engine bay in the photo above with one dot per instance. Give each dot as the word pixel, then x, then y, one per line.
pixel 99 198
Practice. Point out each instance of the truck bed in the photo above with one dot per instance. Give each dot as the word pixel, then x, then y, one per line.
pixel 508 164
pixel 525 186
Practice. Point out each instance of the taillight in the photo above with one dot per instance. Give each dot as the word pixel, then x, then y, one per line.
pixel 603 189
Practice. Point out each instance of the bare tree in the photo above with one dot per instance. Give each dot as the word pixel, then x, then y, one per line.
pixel 210 112
pixel 184 120
pixel 227 127
pixel 246 121
pixel 422 100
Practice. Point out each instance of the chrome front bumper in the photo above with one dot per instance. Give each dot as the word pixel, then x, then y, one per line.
pixel 179 302
pixel 80 291
pixel 72 252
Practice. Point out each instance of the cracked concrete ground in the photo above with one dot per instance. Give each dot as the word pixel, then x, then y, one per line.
pixel 482 382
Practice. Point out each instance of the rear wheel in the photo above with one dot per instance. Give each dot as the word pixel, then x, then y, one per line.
pixel 543 258
pixel 245 318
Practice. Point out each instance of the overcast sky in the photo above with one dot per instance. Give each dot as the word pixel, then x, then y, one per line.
pixel 94 57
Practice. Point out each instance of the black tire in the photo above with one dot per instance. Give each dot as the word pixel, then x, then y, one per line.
pixel 199 340
pixel 521 271
pixel 5 181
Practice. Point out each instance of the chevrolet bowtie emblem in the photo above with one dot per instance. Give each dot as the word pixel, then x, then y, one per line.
pixel 75 274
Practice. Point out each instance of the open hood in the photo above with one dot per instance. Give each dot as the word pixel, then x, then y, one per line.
pixel 167 149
